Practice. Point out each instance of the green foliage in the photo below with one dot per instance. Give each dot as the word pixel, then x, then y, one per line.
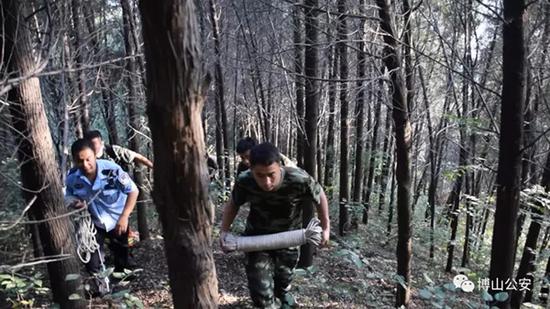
pixel 125 299
pixel 21 290
pixel 12 201
pixel 501 297
pixel 448 296
pixel 535 198
pixel 352 257
pixel 471 124
pixel 451 174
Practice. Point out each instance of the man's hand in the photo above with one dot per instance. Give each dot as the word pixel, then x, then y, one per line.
pixel 122 225
pixel 325 237
pixel 223 234
pixel 78 204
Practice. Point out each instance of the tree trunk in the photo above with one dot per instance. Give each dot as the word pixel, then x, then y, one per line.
pixel 79 57
pixel 344 216
pixel 407 47
pixel 432 187
pixel 386 161
pixel 220 98
pixel 330 149
pixel 402 127
pixel 454 204
pixel 311 114
pixel 108 99
pixel 36 154
pixel 175 98
pixel 299 80
pixel 545 288
pixel 528 260
pixel 373 153
pixel 509 163
pixel 360 112
pixel 392 200
pixel 133 105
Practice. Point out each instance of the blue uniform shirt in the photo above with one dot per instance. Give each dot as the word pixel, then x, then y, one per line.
pixel 105 197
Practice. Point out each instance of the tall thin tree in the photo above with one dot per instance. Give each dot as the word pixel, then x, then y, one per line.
pixel 221 113
pixel 311 113
pixel 133 113
pixel 344 129
pixel 175 96
pixel 402 129
pixel 509 159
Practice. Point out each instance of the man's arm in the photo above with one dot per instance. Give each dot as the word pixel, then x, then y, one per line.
pixel 71 200
pixel 126 186
pixel 141 159
pixel 322 211
pixel 229 213
pixel 122 224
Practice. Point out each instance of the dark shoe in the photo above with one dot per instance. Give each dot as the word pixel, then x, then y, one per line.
pixel 288 301
pixel 98 287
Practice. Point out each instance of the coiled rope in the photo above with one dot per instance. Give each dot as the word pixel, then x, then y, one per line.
pixel 311 234
pixel 87 244
pixel 85 237
pixel 86 233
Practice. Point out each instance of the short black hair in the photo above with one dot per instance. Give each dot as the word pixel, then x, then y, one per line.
pixel 246 144
pixel 264 154
pixel 90 135
pixel 79 145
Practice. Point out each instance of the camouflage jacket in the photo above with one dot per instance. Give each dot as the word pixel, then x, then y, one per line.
pixel 285 161
pixel 118 154
pixel 279 210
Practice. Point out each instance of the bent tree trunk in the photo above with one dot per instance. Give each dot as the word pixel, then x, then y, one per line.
pixel 393 62
pixel 39 171
pixel 175 98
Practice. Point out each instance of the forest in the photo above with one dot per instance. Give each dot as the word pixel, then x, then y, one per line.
pixel 420 130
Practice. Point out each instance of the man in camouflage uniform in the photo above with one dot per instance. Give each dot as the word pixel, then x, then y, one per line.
pixel 120 155
pixel 243 150
pixel 276 195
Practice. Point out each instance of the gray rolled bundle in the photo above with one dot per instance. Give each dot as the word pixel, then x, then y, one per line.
pixel 311 234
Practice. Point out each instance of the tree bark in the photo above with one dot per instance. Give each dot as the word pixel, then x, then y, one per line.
pixel 109 114
pixel 373 153
pixel 311 114
pixel 330 149
pixel 133 106
pixel 528 260
pixel 402 127
pixel 79 57
pixel 39 170
pixel 360 112
pixel 175 98
pixel 220 97
pixel 509 160
pixel 344 216
pixel 299 80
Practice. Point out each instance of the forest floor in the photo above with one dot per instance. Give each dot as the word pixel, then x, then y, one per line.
pixel 352 272
pixel 356 271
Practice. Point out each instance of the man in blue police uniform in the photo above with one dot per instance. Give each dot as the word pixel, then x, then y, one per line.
pixel 110 196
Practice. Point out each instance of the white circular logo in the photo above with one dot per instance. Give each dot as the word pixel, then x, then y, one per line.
pixel 467 286
pixel 458 280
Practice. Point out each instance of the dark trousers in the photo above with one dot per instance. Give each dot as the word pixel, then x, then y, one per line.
pixel 269 274
pixel 118 244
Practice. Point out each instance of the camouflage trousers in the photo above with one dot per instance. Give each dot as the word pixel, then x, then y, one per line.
pixel 269 275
